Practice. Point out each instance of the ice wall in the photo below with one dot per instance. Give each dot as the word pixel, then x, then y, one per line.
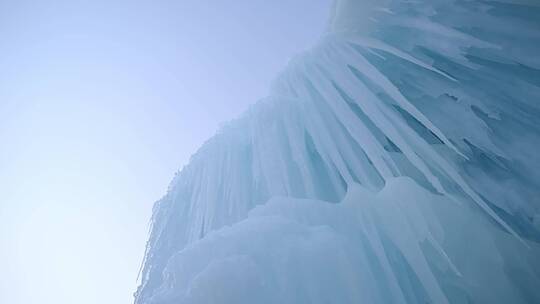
pixel 400 245
pixel 443 92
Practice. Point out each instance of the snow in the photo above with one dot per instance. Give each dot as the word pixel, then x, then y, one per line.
pixel 417 124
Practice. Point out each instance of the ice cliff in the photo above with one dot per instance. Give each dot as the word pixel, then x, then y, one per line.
pixel 394 162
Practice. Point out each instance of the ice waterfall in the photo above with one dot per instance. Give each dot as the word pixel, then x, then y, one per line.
pixel 420 121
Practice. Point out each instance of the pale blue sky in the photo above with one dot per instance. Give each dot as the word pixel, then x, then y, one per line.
pixel 100 103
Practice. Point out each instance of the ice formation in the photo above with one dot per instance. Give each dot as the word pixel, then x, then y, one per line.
pixel 394 162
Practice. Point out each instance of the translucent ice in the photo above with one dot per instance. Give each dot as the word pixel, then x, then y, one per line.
pixel 400 245
pixel 423 116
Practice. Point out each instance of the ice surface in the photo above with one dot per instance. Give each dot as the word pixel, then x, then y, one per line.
pixel 424 118
pixel 400 245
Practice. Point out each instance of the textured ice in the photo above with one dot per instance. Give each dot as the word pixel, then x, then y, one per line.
pixel 423 117
pixel 400 245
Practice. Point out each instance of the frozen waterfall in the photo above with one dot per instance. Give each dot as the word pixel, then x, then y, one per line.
pixel 395 162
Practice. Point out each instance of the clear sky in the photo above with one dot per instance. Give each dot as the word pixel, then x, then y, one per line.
pixel 101 101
